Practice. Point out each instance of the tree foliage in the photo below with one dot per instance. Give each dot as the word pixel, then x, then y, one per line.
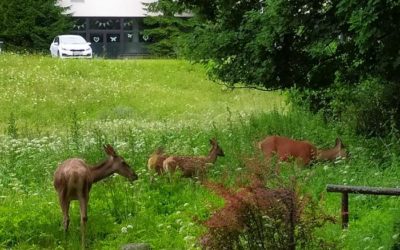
pixel 167 28
pixel 279 44
pixel 32 24
pixel 319 47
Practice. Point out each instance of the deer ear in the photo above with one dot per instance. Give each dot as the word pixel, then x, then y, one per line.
pixel 105 148
pixel 109 150
pixel 339 143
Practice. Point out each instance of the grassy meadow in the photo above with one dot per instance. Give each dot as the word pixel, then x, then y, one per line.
pixel 53 109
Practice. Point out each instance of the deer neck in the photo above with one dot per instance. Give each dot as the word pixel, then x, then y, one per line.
pixel 212 155
pixel 101 171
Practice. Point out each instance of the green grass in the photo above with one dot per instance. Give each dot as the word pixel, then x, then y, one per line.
pixel 55 109
pixel 43 92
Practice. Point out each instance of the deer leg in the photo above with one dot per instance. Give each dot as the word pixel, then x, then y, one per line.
pixel 64 202
pixel 83 203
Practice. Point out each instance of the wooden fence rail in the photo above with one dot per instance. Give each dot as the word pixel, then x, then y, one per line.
pixel 345 190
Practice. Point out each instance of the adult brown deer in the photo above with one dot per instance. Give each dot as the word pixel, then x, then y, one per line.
pixel 155 162
pixel 303 152
pixel 192 166
pixel 74 178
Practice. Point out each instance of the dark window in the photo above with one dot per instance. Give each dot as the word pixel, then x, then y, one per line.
pixel 129 24
pixel 105 24
pixel 144 38
pixel 113 38
pixel 96 38
pixel 80 24
pixel 129 37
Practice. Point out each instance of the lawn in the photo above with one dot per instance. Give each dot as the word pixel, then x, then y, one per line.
pixel 53 109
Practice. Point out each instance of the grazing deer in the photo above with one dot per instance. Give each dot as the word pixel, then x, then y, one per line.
pixel 193 165
pixel 155 162
pixel 74 178
pixel 302 151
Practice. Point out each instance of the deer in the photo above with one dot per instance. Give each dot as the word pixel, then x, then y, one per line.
pixel 73 180
pixel 155 162
pixel 303 152
pixel 193 166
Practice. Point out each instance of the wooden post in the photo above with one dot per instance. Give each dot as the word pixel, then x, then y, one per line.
pixel 363 190
pixel 345 190
pixel 345 210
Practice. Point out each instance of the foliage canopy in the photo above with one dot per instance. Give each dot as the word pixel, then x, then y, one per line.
pixel 32 24
pixel 168 30
pixel 279 44
pixel 324 49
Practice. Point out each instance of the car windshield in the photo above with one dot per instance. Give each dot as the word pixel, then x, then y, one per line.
pixel 72 39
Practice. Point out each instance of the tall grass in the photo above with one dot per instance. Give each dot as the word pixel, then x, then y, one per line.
pixel 56 109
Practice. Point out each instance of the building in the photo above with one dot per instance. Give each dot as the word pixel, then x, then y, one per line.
pixel 114 27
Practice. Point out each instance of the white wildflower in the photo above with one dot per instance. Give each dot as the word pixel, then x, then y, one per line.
pixel 188 238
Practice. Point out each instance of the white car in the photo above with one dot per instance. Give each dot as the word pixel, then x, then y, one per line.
pixel 70 46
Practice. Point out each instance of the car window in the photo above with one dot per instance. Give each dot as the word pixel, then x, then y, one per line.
pixel 72 39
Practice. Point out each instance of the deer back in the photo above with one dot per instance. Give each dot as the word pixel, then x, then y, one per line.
pixel 193 165
pixel 303 151
pixel 73 176
pixel 189 165
pixel 285 149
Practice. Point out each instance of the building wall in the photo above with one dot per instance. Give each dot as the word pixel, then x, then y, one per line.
pixel 106 8
pixel 113 27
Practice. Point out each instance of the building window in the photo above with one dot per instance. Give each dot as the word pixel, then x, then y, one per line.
pixel 129 37
pixel 105 24
pixel 96 38
pixel 129 23
pixel 113 38
pixel 80 24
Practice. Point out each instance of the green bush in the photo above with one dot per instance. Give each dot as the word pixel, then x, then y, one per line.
pixel 31 25
pixel 370 108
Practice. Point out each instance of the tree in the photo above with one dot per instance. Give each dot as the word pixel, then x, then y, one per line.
pixel 32 24
pixel 318 47
pixel 279 43
pixel 167 30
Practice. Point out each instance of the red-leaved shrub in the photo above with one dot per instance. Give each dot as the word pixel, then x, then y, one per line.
pixel 258 217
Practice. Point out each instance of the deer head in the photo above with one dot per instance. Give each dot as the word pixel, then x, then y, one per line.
pixel 337 152
pixel 119 165
pixel 216 148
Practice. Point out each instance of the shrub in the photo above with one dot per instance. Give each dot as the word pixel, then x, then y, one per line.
pixel 370 108
pixel 258 217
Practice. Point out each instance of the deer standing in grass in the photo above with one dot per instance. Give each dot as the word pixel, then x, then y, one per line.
pixel 303 152
pixel 74 178
pixel 192 166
